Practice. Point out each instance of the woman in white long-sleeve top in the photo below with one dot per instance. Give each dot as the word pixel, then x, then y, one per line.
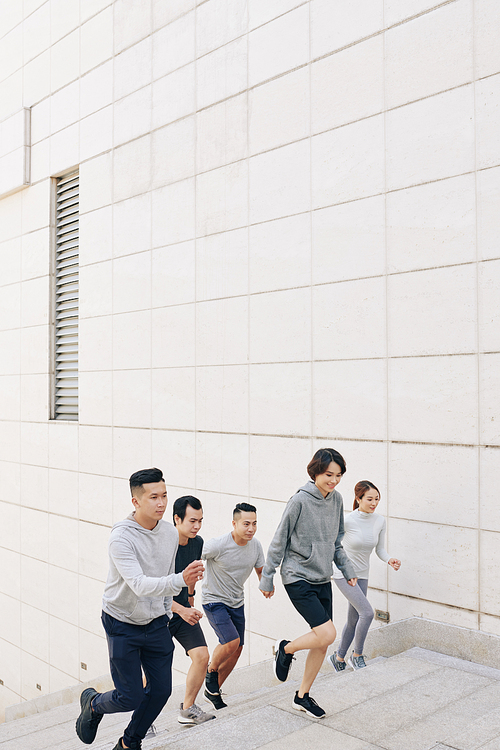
pixel 364 532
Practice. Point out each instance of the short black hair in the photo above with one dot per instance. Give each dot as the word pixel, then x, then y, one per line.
pixel 145 476
pixel 182 503
pixel 245 508
pixel 322 459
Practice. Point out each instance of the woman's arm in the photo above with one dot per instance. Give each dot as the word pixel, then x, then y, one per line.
pixel 340 557
pixel 276 550
pixel 379 547
pixel 382 552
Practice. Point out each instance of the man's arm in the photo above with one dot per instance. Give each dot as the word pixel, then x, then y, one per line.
pixel 124 557
pixel 259 572
pixel 188 614
pixel 210 549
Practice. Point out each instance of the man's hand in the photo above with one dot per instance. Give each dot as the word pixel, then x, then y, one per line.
pixel 193 573
pixel 190 615
pixel 268 594
pixel 352 581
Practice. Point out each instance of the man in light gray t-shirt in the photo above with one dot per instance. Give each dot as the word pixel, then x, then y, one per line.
pixel 230 560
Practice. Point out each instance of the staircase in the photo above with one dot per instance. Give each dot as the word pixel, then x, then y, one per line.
pixel 416 700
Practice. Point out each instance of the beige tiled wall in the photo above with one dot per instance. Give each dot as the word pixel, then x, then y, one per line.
pixel 289 237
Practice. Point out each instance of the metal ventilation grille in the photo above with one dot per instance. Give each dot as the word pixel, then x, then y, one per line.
pixel 66 307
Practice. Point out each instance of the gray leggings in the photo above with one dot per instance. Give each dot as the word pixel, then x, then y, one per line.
pixel 359 615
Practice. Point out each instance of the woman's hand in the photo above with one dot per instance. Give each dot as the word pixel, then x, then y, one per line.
pixel 352 581
pixel 268 594
pixel 396 564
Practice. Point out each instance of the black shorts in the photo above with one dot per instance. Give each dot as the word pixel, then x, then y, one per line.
pixel 312 600
pixel 189 636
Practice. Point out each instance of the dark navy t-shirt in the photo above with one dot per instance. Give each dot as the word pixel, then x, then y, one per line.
pixel 187 554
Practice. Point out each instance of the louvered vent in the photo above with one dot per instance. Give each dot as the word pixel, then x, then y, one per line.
pixel 66 307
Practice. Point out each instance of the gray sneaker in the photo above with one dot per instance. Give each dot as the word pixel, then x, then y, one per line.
pixel 193 715
pixel 152 732
pixel 356 662
pixel 338 665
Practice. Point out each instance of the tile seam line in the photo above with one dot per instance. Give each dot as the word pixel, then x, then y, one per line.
pixel 489 446
pixel 239 93
pixel 431 523
pixel 48 3
pixel 377 358
pixel 222 101
pixel 268 219
pixel 169 23
pixel 251 294
pixel 433 601
pixel 218 101
pixel 243 91
pixel 25 651
pixel 288 12
pixel 53 513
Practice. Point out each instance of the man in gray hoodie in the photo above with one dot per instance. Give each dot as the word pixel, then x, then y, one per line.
pixel 136 610
pixel 307 541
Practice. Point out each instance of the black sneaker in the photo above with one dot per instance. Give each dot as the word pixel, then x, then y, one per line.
pixel 215 699
pixel 212 683
pixel 88 721
pixel 308 705
pixel 282 661
pixel 134 745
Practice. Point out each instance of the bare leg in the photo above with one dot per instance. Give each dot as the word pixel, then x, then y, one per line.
pixel 228 665
pixel 196 674
pixel 317 642
pixel 222 652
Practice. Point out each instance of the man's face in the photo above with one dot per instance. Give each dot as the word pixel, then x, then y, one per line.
pixel 245 526
pixel 191 523
pixel 150 504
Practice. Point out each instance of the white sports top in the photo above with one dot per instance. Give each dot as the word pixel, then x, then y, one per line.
pixel 363 533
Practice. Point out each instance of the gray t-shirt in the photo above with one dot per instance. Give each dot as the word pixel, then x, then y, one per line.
pixel 228 566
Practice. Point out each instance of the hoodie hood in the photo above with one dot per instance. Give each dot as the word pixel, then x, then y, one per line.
pixel 313 491
pixel 130 523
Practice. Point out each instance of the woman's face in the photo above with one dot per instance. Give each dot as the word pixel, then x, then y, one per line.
pixel 368 503
pixel 329 480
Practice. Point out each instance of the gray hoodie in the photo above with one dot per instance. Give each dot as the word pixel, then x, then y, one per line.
pixel 141 579
pixel 308 539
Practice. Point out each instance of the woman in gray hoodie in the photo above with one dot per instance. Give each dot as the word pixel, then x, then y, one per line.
pixel 307 541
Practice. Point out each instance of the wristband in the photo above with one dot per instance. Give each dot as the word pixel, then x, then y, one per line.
pixel 190 595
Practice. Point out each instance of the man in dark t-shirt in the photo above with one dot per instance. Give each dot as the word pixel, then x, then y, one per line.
pixel 184 625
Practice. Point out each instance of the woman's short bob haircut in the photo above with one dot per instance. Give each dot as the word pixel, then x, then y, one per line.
pixel 361 489
pixel 322 459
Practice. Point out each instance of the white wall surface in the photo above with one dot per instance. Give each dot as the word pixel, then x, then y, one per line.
pixel 289 238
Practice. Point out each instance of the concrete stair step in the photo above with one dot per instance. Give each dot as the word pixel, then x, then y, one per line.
pixel 416 700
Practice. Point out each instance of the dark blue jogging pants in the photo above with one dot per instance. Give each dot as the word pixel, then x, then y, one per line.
pixel 130 648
